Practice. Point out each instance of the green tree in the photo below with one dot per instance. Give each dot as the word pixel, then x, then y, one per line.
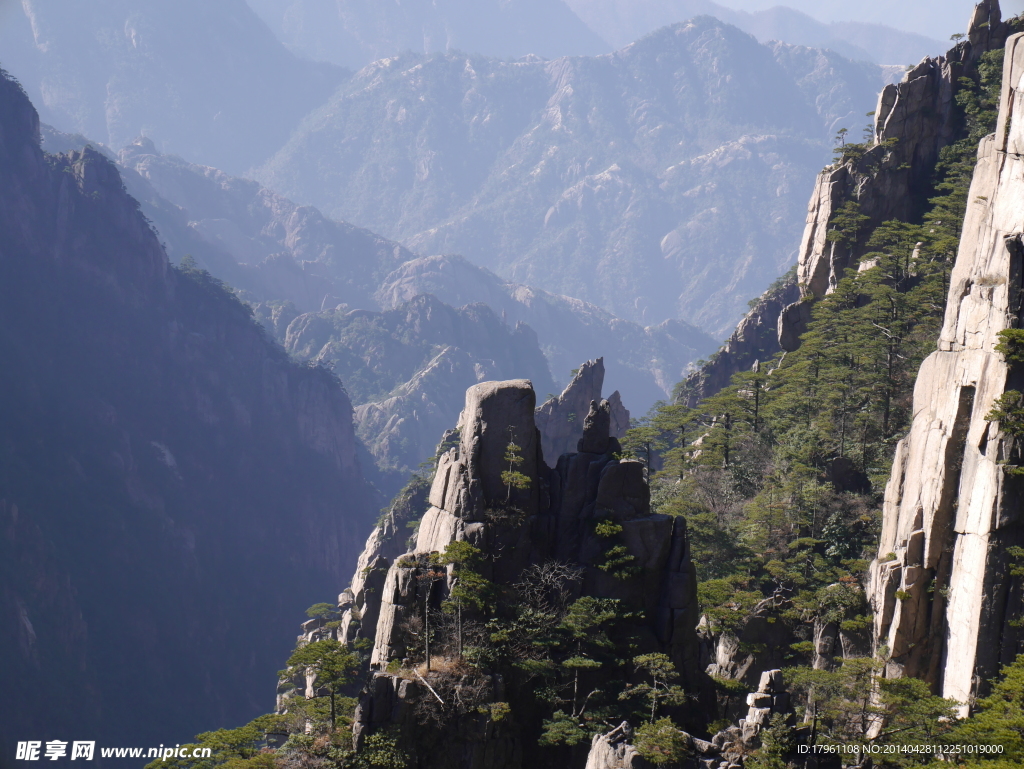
pixel 661 742
pixel 777 742
pixel 997 721
pixel 588 652
pixel 660 688
pixel 332 663
pixel 469 589
pixel 512 477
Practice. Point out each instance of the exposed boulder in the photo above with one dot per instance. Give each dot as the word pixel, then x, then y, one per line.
pixel 613 750
pixel 726 748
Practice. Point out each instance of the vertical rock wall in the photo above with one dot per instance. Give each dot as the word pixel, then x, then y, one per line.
pixel 940 587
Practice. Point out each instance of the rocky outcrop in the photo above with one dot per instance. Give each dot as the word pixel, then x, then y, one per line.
pixel 913 121
pixel 560 420
pixel 550 519
pixel 613 750
pixel 725 750
pixel 756 338
pixel 940 588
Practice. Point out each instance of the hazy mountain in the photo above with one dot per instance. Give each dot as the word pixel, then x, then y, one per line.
pixel 206 80
pixel 279 252
pixel 665 180
pixel 409 368
pixel 170 482
pixel 643 362
pixel 927 17
pixel 355 32
pixel 623 21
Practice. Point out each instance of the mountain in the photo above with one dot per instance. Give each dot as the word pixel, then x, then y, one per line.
pixel 206 80
pixel 169 480
pixel 290 261
pixel 623 21
pixel 572 571
pixel 644 361
pixel 279 252
pixel 407 367
pixel 614 179
pixel 924 16
pixel 353 33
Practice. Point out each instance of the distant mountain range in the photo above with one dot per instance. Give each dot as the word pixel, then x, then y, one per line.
pixel 623 21
pixel 353 33
pixel 206 80
pixel 667 180
pixel 319 286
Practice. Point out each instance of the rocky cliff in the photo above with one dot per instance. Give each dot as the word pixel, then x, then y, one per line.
pixel 892 178
pixel 545 525
pixel 941 588
pixel 169 480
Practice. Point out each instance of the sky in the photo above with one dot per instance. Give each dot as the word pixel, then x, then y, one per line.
pixel 934 18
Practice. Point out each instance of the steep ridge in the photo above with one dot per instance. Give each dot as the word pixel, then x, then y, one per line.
pixel 941 588
pixel 614 179
pixel 284 252
pixel 890 177
pixel 560 419
pixel 169 480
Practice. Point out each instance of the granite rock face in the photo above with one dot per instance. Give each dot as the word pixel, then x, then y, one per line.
pixel 913 121
pixel 942 596
pixel 756 338
pixel 613 751
pixel 552 519
pixel 561 420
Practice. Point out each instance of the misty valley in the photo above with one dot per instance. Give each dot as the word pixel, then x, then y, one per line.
pixel 567 384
